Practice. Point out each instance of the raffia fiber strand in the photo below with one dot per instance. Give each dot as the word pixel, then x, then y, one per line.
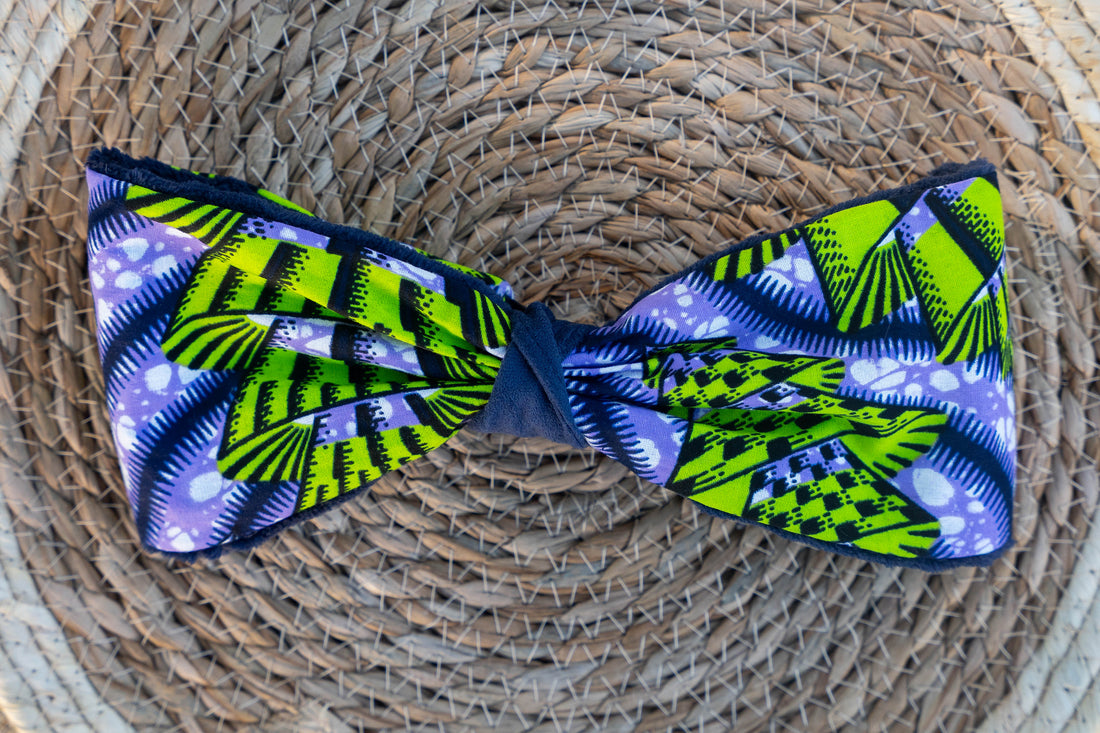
pixel 581 151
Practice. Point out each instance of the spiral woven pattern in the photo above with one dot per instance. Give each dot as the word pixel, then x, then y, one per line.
pixel 581 151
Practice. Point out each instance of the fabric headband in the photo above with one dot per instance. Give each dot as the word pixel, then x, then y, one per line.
pixel 846 382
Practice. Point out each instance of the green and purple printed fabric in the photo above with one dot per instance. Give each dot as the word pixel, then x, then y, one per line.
pixel 846 382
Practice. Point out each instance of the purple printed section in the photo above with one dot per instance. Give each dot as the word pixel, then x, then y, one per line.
pixel 683 310
pixel 199 495
pixel 387 413
pixel 919 219
pixel 958 386
pixel 121 271
pixel 677 312
pixel 967 524
pixel 125 273
pixel 422 277
pixel 187 522
pixel 285 232
pixel 96 182
pixel 315 336
pixel 654 439
pixel 794 273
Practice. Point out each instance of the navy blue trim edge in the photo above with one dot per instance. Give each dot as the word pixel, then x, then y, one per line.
pixel 927 564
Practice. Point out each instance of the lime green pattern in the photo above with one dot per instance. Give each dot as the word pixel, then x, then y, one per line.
pixel 978 209
pixel 245 285
pixel 727 454
pixel 853 506
pixel 338 467
pixel 729 451
pixel 728 376
pixel 864 278
pixel 867 272
pixel 966 314
pixel 750 260
pixel 275 198
pixel 208 223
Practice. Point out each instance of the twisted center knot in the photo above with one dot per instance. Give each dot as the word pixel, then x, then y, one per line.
pixel 529 399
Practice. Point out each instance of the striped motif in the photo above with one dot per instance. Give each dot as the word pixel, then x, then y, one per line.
pixel 750 260
pixel 208 223
pixel 248 291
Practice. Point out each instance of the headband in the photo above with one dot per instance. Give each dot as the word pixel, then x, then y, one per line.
pixel 845 382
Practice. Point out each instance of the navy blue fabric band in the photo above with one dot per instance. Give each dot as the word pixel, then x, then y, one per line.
pixel 529 398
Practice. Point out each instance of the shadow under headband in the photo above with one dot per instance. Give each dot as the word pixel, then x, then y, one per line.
pixel 846 382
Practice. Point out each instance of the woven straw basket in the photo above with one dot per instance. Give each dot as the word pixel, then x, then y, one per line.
pixel 580 150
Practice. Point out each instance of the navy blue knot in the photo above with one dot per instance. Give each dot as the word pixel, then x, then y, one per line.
pixel 529 398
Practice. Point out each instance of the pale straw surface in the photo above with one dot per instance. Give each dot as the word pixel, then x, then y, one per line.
pixel 580 150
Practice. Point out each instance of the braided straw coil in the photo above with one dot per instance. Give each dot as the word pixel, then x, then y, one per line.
pixel 581 151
